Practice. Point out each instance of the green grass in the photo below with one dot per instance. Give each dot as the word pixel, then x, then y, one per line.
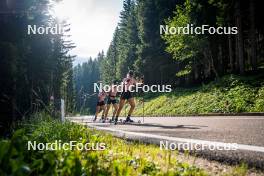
pixel 231 94
pixel 119 158
pixel 241 170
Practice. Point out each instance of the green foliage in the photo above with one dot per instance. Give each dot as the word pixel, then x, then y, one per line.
pixel 119 158
pixel 108 66
pixel 137 44
pixel 185 71
pixel 259 104
pixel 84 77
pixel 241 170
pixel 186 49
pixel 181 45
pixel 32 67
pixel 122 52
pixel 227 95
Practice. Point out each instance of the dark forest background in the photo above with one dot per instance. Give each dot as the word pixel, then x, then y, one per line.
pixel 36 69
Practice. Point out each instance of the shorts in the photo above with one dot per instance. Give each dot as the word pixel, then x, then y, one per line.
pixel 111 101
pixel 102 103
pixel 126 95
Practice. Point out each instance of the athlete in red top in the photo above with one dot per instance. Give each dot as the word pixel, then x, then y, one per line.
pixel 127 96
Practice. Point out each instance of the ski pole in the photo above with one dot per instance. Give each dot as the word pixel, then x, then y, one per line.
pixel 143 101
pixel 143 109
pixel 125 110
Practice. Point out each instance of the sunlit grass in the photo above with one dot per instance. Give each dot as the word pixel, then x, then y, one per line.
pixel 228 95
pixel 120 157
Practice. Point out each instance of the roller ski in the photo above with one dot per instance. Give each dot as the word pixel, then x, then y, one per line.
pixel 127 121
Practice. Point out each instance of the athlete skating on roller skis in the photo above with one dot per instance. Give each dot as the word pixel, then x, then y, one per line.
pixel 100 106
pixel 126 95
pixel 111 99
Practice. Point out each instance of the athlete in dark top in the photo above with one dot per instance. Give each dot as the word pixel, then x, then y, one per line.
pixel 100 105
pixel 111 99
pixel 127 96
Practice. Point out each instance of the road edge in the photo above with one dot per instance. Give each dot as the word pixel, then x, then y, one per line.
pixel 228 157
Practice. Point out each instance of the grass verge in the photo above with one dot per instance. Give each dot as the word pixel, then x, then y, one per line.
pixel 119 158
pixel 230 94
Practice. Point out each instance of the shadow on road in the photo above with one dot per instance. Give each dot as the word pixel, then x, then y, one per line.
pixel 150 125
pixel 169 126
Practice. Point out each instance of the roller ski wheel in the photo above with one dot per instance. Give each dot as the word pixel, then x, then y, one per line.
pixel 132 122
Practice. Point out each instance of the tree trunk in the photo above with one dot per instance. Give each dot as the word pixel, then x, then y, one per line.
pixel 213 68
pixel 14 102
pixel 230 48
pixel 252 35
pixel 231 58
pixel 240 47
pixel 220 59
pixel 208 55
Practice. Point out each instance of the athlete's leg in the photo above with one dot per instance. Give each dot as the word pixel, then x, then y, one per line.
pixel 120 107
pixel 132 104
pixel 103 109
pixel 107 110
pixel 96 112
pixel 132 107
pixel 115 109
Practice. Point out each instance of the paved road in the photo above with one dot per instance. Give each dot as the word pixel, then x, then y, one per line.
pixel 247 131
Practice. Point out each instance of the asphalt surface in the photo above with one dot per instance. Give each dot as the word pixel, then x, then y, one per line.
pixel 246 131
